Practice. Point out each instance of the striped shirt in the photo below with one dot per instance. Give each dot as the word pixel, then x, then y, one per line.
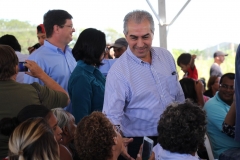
pixel 137 93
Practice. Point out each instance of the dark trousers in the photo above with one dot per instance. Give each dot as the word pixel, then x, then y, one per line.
pixel 133 147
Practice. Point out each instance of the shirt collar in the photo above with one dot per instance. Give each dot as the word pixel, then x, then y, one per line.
pixel 219 99
pixel 52 47
pixel 85 66
pixel 138 60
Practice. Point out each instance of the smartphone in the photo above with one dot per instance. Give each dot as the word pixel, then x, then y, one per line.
pixel 147 148
pixel 22 67
pixel 36 46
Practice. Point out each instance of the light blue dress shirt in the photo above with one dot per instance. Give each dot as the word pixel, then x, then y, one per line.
pixel 54 62
pixel 137 93
pixel 216 112
pixel 107 64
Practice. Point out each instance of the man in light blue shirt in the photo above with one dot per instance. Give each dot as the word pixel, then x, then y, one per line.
pixel 217 109
pixel 55 57
pixel 141 83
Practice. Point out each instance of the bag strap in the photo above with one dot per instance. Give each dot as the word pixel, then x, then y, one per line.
pixel 38 92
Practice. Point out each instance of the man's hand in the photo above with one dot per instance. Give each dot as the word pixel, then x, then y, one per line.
pixel 35 70
pixel 125 143
pixel 192 61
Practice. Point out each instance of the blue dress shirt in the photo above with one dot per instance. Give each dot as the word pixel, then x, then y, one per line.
pixel 137 92
pixel 107 64
pixel 86 90
pixel 54 62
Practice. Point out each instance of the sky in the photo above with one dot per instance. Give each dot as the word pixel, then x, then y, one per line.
pixel 202 24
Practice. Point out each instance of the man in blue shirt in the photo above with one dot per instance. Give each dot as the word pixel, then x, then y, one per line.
pixel 217 109
pixel 55 57
pixel 141 83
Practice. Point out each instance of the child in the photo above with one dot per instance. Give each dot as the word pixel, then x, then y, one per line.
pixel 186 62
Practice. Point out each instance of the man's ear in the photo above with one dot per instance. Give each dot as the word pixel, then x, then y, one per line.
pixel 56 28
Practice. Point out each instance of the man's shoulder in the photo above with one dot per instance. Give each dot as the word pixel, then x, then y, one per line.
pixel 215 66
pixel 213 104
pixel 160 50
pixel 41 52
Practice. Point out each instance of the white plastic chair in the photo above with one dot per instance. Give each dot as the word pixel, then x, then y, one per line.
pixel 208 147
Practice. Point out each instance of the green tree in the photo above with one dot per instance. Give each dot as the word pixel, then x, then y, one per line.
pixel 23 31
pixel 112 35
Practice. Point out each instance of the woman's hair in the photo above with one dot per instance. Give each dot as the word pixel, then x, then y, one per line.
pixel 11 41
pixel 7 125
pixel 94 137
pixel 33 140
pixel 90 46
pixel 181 128
pixel 188 88
pixel 211 82
pixel 8 62
pixel 62 117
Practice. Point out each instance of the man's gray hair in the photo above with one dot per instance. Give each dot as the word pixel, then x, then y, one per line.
pixel 62 117
pixel 138 16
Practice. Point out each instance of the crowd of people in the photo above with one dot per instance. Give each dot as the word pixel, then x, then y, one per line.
pixel 80 103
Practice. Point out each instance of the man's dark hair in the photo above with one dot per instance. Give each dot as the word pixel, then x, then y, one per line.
pixel 90 46
pixel 181 128
pixel 184 59
pixel 11 41
pixel 228 75
pixel 54 17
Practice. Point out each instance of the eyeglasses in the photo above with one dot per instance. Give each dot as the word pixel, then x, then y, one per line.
pixel 224 86
pixel 69 26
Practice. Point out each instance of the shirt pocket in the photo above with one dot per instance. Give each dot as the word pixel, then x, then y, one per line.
pixel 172 85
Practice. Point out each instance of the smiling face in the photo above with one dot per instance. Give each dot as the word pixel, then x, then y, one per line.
pixel 226 90
pixel 65 32
pixel 139 38
pixel 184 68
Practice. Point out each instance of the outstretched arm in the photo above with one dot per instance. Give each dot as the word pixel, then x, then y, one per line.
pixel 37 72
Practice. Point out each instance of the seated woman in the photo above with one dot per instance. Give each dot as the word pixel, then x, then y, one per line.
pixel 66 122
pixel 87 84
pixel 213 85
pixel 181 129
pixel 193 90
pixel 15 96
pixel 97 139
pixel 33 139
pixel 7 125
